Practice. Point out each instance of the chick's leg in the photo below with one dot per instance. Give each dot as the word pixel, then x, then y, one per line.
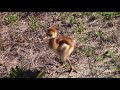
pixel 71 67
pixel 62 57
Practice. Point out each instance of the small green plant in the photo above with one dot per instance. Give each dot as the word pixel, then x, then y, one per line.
pixel 86 14
pixel 109 15
pixel 70 19
pixel 115 59
pixel 100 58
pixel 11 18
pixel 99 33
pixel 34 24
pixel 89 52
pixel 16 73
pixel 20 73
pixel 110 53
pixel 80 28
pixel 103 36
pixel 41 74
pixel 115 62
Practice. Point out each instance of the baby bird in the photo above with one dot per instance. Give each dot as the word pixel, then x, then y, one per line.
pixel 62 46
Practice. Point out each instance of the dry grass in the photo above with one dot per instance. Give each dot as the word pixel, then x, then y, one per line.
pixel 97 52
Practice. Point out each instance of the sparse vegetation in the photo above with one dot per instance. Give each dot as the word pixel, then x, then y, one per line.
pixel 89 52
pixel 34 24
pixel 11 18
pixel 18 72
pixel 80 28
pixel 99 34
pixel 110 53
pixel 96 54
pixel 41 74
pixel 109 15
pixel 100 58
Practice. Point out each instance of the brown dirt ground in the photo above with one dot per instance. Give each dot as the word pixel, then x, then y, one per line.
pixel 20 46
